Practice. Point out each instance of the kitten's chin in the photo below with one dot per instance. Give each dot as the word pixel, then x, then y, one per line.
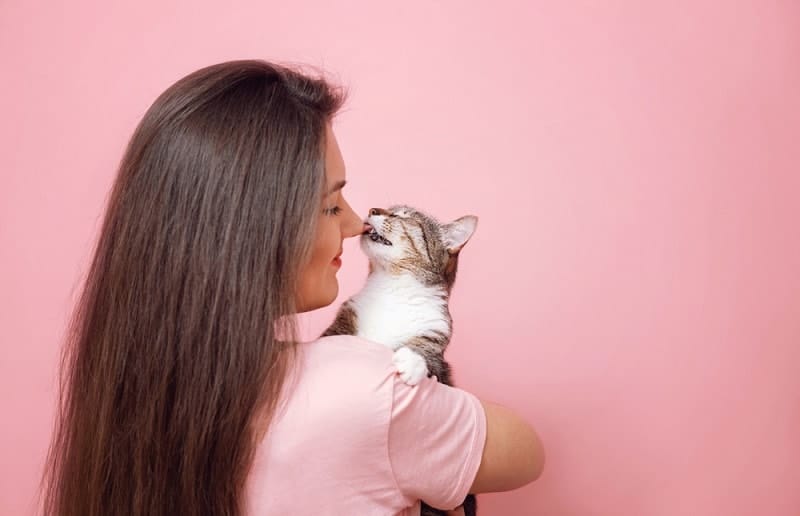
pixel 374 251
pixel 369 249
pixel 375 264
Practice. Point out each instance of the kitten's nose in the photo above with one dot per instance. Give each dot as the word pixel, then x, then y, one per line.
pixel 378 211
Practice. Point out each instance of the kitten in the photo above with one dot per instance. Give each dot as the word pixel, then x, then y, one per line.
pixel 404 304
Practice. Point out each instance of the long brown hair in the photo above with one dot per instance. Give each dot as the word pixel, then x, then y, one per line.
pixel 172 364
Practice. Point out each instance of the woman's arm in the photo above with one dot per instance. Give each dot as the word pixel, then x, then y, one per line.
pixel 445 442
pixel 513 454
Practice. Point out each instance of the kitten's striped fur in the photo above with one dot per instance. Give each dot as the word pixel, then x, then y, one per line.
pixel 404 302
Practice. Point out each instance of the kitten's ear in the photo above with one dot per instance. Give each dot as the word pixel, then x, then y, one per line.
pixel 457 233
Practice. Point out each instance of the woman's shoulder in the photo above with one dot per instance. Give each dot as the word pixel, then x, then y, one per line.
pixel 348 362
pixel 350 348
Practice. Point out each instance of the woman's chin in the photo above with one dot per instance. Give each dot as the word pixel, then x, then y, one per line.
pixel 321 299
pixel 334 293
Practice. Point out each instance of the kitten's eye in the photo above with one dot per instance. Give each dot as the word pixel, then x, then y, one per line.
pixel 332 211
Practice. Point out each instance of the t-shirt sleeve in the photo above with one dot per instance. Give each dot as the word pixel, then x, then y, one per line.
pixel 436 439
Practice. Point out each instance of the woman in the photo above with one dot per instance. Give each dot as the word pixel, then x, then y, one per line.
pixel 185 389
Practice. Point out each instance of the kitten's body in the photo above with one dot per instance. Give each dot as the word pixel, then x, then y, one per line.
pixel 404 303
pixel 400 311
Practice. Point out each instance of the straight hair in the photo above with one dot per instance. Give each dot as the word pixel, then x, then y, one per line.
pixel 182 336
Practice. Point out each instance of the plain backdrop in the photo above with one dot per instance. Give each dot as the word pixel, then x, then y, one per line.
pixel 633 287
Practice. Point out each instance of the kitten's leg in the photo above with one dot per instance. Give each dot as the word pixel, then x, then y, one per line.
pixel 421 356
pixel 410 364
pixel 345 322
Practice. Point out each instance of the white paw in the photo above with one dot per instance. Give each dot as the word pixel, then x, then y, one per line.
pixel 410 365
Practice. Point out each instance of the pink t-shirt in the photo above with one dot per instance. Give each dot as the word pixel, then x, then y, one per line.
pixel 353 439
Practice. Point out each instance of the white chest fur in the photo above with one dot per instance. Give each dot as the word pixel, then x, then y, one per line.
pixel 392 309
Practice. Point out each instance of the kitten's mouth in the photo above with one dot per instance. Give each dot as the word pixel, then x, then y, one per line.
pixel 373 235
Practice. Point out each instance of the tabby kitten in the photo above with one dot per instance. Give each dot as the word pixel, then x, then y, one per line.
pixel 404 304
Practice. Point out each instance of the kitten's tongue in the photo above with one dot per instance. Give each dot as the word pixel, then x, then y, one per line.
pixel 367 228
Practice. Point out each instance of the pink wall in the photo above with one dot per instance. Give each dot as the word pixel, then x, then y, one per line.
pixel 633 285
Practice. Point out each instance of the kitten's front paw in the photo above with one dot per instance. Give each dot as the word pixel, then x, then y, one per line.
pixel 410 365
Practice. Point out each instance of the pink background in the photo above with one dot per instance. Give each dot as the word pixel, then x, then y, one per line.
pixel 634 284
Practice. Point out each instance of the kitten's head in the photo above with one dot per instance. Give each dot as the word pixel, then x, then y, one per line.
pixel 402 239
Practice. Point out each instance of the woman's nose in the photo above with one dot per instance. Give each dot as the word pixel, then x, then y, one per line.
pixel 355 225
